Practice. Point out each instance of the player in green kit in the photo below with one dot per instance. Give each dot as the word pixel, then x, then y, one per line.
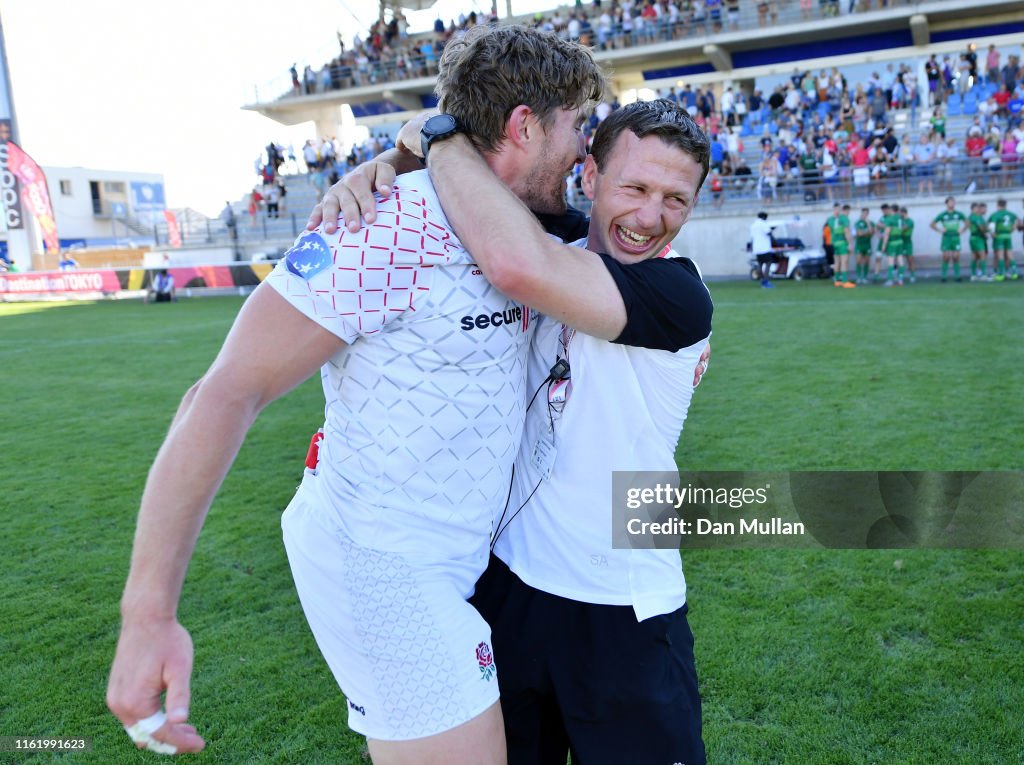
pixel 951 223
pixel 892 244
pixel 839 225
pixel 908 242
pixel 880 230
pixel 1003 224
pixel 978 227
pixel 863 230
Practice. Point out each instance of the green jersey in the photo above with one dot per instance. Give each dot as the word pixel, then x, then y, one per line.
pixel 950 222
pixel 1005 222
pixel 839 225
pixel 894 245
pixel 862 230
pixel 978 226
pixel 908 233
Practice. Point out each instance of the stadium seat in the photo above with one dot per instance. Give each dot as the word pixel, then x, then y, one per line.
pixel 953 104
pixel 970 103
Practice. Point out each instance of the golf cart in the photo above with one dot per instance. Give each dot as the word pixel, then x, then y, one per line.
pixel 791 259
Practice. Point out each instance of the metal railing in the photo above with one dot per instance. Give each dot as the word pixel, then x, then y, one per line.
pixel 408 61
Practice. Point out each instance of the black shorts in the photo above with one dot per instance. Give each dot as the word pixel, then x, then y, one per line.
pixel 590 680
pixel 162 297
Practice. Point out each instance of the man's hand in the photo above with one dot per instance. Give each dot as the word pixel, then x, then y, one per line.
pixel 152 657
pixel 408 138
pixel 702 365
pixel 352 197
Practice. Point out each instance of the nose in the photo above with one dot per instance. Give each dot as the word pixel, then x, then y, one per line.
pixel 649 212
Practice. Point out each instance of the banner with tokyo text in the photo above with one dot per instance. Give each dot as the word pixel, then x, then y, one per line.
pixel 840 510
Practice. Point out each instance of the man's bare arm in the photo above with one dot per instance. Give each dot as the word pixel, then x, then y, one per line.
pixel 271 348
pixel 569 284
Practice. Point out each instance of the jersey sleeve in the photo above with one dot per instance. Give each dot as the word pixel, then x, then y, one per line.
pixel 355 284
pixel 667 305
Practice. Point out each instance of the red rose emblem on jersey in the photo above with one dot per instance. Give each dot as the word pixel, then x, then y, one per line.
pixel 485 659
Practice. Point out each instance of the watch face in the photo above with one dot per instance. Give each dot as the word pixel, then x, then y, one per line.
pixel 439 124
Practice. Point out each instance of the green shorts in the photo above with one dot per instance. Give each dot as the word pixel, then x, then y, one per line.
pixel 950 243
pixel 894 250
pixel 841 248
pixel 863 248
pixel 978 244
pixel 908 248
pixel 1002 242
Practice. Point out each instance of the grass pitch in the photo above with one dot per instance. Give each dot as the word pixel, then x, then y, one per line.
pixel 804 656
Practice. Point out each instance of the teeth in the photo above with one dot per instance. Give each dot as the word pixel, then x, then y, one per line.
pixel 633 236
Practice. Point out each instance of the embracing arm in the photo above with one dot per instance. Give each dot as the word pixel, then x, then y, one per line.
pixel 569 284
pixel 271 348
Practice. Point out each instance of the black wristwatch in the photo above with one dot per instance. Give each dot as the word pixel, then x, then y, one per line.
pixel 437 128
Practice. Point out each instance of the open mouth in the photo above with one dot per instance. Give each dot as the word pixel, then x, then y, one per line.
pixel 632 240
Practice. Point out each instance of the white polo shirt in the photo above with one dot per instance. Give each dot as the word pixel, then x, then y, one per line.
pixel 625 411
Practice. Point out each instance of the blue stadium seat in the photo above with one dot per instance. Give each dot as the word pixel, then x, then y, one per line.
pixel 970 103
pixel 953 105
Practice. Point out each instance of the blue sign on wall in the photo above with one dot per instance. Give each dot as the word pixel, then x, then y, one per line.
pixel 147 197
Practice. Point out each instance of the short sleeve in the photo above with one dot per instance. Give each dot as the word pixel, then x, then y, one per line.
pixel 667 305
pixel 355 284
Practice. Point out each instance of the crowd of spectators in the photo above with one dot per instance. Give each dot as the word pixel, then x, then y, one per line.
pixel 822 138
pixel 389 53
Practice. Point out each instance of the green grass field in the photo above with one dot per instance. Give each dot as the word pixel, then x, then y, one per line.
pixel 805 657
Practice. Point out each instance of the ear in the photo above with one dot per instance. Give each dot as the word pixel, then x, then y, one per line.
pixel 522 125
pixel 589 177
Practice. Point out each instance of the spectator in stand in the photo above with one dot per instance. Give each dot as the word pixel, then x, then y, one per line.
pixel 67 262
pixel 992 65
pixel 743 177
pixel 938 122
pixel 255 198
pixel 974 147
pixel 933 72
pixel 947 152
pixel 924 164
pixel 768 177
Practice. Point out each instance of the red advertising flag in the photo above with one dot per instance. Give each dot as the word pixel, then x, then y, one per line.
pixel 173 232
pixel 34 193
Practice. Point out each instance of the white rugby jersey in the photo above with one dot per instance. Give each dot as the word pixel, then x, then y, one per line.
pixel 626 407
pixel 424 407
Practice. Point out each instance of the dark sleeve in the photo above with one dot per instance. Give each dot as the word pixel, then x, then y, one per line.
pixel 667 305
pixel 569 227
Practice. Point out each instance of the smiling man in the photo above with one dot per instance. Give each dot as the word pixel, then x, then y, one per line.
pixel 594 649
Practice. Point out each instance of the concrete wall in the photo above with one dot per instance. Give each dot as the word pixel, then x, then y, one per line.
pixel 718 244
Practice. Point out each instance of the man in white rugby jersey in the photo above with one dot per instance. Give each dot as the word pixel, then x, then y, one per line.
pixel 424 370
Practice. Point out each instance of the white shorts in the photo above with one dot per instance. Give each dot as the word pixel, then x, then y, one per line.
pixel 412 657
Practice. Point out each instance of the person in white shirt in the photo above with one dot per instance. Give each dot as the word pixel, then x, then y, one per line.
pixel 596 660
pixel 593 642
pixel 423 367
